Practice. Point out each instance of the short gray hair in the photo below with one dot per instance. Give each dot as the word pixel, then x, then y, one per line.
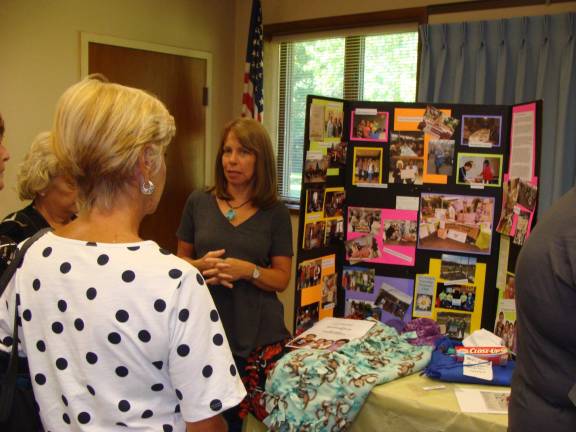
pixel 39 167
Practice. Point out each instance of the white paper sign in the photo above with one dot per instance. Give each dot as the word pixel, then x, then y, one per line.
pixel 407 203
pixel 482 401
pixel 366 111
pixel 478 368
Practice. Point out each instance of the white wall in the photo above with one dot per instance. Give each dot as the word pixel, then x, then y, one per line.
pixel 40 56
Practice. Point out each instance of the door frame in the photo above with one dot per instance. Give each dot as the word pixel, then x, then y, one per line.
pixel 87 38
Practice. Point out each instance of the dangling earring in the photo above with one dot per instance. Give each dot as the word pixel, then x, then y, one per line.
pixel 147 188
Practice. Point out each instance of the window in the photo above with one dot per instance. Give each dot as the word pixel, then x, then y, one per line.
pixel 372 67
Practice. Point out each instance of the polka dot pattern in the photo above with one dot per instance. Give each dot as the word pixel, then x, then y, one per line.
pixel 122 371
pixel 183 350
pixel 61 363
pixel 144 336
pixel 114 338
pixel 124 405
pixel 128 276
pixel 175 273
pixel 159 305
pixel 218 339
pixel 40 379
pixel 183 315
pixel 215 405
pixel 79 324
pixel 91 293
pixel 57 327
pixel 91 358
pixel 122 316
pixel 83 418
pixel 122 304
pixel 214 315
pixel 103 259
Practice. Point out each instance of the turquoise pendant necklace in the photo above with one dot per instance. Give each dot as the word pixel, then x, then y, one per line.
pixel 231 213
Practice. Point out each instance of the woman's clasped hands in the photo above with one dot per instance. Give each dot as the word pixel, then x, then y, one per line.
pixel 218 270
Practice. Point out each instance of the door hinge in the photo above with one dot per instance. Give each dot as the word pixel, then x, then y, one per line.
pixel 205 96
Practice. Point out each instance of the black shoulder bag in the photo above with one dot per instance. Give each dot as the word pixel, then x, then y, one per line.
pixel 18 412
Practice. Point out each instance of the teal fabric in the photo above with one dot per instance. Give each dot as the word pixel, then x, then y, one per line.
pixel 506 62
pixel 317 390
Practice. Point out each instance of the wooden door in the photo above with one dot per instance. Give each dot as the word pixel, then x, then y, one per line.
pixel 179 82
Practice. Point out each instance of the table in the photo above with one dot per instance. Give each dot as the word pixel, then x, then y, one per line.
pixel 403 406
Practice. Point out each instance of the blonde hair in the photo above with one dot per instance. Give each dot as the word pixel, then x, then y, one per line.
pixel 39 167
pixel 254 137
pixel 100 130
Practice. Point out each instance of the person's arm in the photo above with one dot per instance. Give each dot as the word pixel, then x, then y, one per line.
pixel 212 424
pixel 274 278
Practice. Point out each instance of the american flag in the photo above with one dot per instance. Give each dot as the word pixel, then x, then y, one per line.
pixel 253 99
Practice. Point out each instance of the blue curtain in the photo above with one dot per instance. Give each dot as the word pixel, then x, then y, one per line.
pixel 506 62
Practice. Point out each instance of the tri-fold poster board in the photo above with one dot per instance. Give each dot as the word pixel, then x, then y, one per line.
pixel 415 210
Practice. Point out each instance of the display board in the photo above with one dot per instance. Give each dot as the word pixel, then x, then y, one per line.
pixel 415 210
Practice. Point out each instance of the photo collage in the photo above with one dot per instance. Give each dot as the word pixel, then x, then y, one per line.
pixel 452 293
pixel 327 153
pixel 444 170
pixel 417 146
pixel 316 284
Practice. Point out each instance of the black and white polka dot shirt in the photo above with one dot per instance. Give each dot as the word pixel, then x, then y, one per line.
pixel 118 335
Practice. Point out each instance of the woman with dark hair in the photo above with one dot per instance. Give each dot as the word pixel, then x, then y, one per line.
pixel 239 235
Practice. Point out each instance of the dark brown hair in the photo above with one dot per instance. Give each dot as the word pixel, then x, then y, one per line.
pixel 254 137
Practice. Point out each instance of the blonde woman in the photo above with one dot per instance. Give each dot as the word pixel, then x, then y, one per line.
pixel 53 196
pixel 118 332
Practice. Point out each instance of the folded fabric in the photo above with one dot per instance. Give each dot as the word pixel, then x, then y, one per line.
pixel 316 390
pixel 445 367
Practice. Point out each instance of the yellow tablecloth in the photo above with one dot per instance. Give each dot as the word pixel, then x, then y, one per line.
pixel 403 406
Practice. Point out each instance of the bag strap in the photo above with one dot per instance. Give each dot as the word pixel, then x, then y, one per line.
pixel 9 382
pixel 18 258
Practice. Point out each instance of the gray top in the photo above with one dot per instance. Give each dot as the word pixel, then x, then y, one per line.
pixel 251 317
pixel 546 318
